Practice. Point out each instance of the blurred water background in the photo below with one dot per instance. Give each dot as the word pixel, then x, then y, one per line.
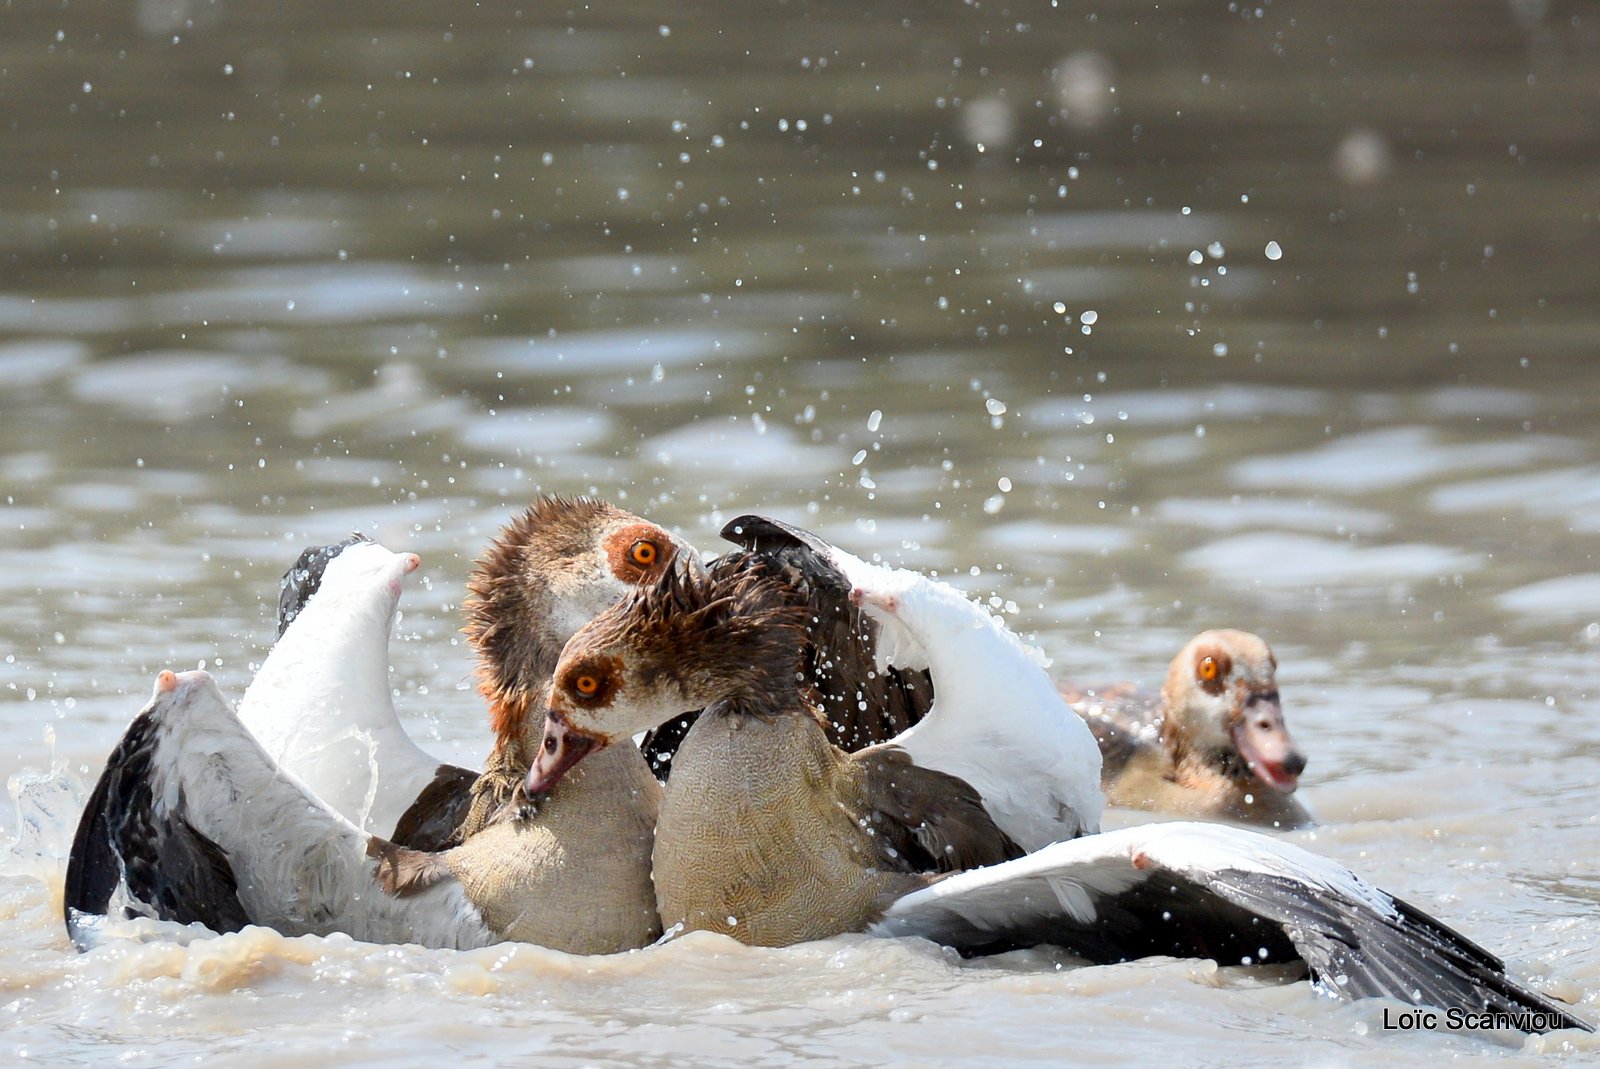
pixel 1138 318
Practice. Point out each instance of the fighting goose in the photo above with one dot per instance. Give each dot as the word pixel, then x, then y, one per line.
pixel 1213 744
pixel 193 821
pixel 767 831
pixel 545 574
pixel 862 701
pixel 551 568
pixel 754 841
pixel 928 648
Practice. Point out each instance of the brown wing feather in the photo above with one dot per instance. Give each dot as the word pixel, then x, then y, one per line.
pixel 926 820
pixel 435 820
pixel 862 706
pixel 401 871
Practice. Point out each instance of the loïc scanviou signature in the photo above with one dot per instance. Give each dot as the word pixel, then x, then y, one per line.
pixel 1426 1020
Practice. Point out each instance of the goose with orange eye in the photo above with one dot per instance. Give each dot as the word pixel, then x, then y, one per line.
pixel 164 822
pixel 1212 744
pixel 640 552
pixel 770 835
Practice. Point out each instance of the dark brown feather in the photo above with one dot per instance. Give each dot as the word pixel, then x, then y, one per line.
pixel 403 871
pixel 434 821
pixel 744 628
pixel 862 705
pixel 926 820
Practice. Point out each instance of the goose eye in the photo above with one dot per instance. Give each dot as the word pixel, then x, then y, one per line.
pixel 644 552
pixel 588 686
pixel 1208 669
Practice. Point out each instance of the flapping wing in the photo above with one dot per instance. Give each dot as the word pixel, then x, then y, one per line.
pixel 128 838
pixel 863 704
pixel 305 576
pixel 1188 889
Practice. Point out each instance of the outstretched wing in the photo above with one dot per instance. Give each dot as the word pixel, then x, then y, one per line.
pixel 862 703
pixel 203 826
pixel 434 821
pixel 129 839
pixel 1188 889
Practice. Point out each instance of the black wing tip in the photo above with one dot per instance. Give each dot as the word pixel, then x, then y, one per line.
pixel 757 533
pixel 1354 950
pixel 304 577
pixel 126 839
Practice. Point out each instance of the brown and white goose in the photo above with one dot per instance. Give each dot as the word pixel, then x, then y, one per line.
pixel 1213 744
pixel 768 832
pixel 770 835
pixel 552 568
pixel 193 821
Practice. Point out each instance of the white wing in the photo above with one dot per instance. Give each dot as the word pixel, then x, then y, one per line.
pixel 321 704
pixel 192 821
pixel 1192 889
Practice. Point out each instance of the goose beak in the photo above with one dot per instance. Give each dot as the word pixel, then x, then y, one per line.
pixel 1263 740
pixel 562 748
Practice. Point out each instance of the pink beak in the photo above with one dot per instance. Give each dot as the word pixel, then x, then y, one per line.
pixel 562 748
pixel 1263 741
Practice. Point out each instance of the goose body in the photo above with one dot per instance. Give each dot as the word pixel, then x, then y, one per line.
pixel 1212 744
pixel 193 820
pixel 1177 889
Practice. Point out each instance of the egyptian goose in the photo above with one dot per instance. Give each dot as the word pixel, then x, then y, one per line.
pixel 1214 744
pixel 767 831
pixel 194 821
pixel 765 835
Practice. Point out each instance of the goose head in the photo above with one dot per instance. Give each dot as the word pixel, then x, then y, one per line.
pixel 688 642
pixel 548 572
pixel 1221 708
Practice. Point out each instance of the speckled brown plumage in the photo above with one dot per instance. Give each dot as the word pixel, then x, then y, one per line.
pixel 549 570
pixel 862 704
pixel 510 595
pixel 767 832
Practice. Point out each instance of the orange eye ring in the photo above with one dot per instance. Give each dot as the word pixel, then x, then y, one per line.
pixel 644 553
pixel 586 685
pixel 1207 669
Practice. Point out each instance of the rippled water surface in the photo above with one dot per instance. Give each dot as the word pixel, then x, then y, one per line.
pixel 1140 319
